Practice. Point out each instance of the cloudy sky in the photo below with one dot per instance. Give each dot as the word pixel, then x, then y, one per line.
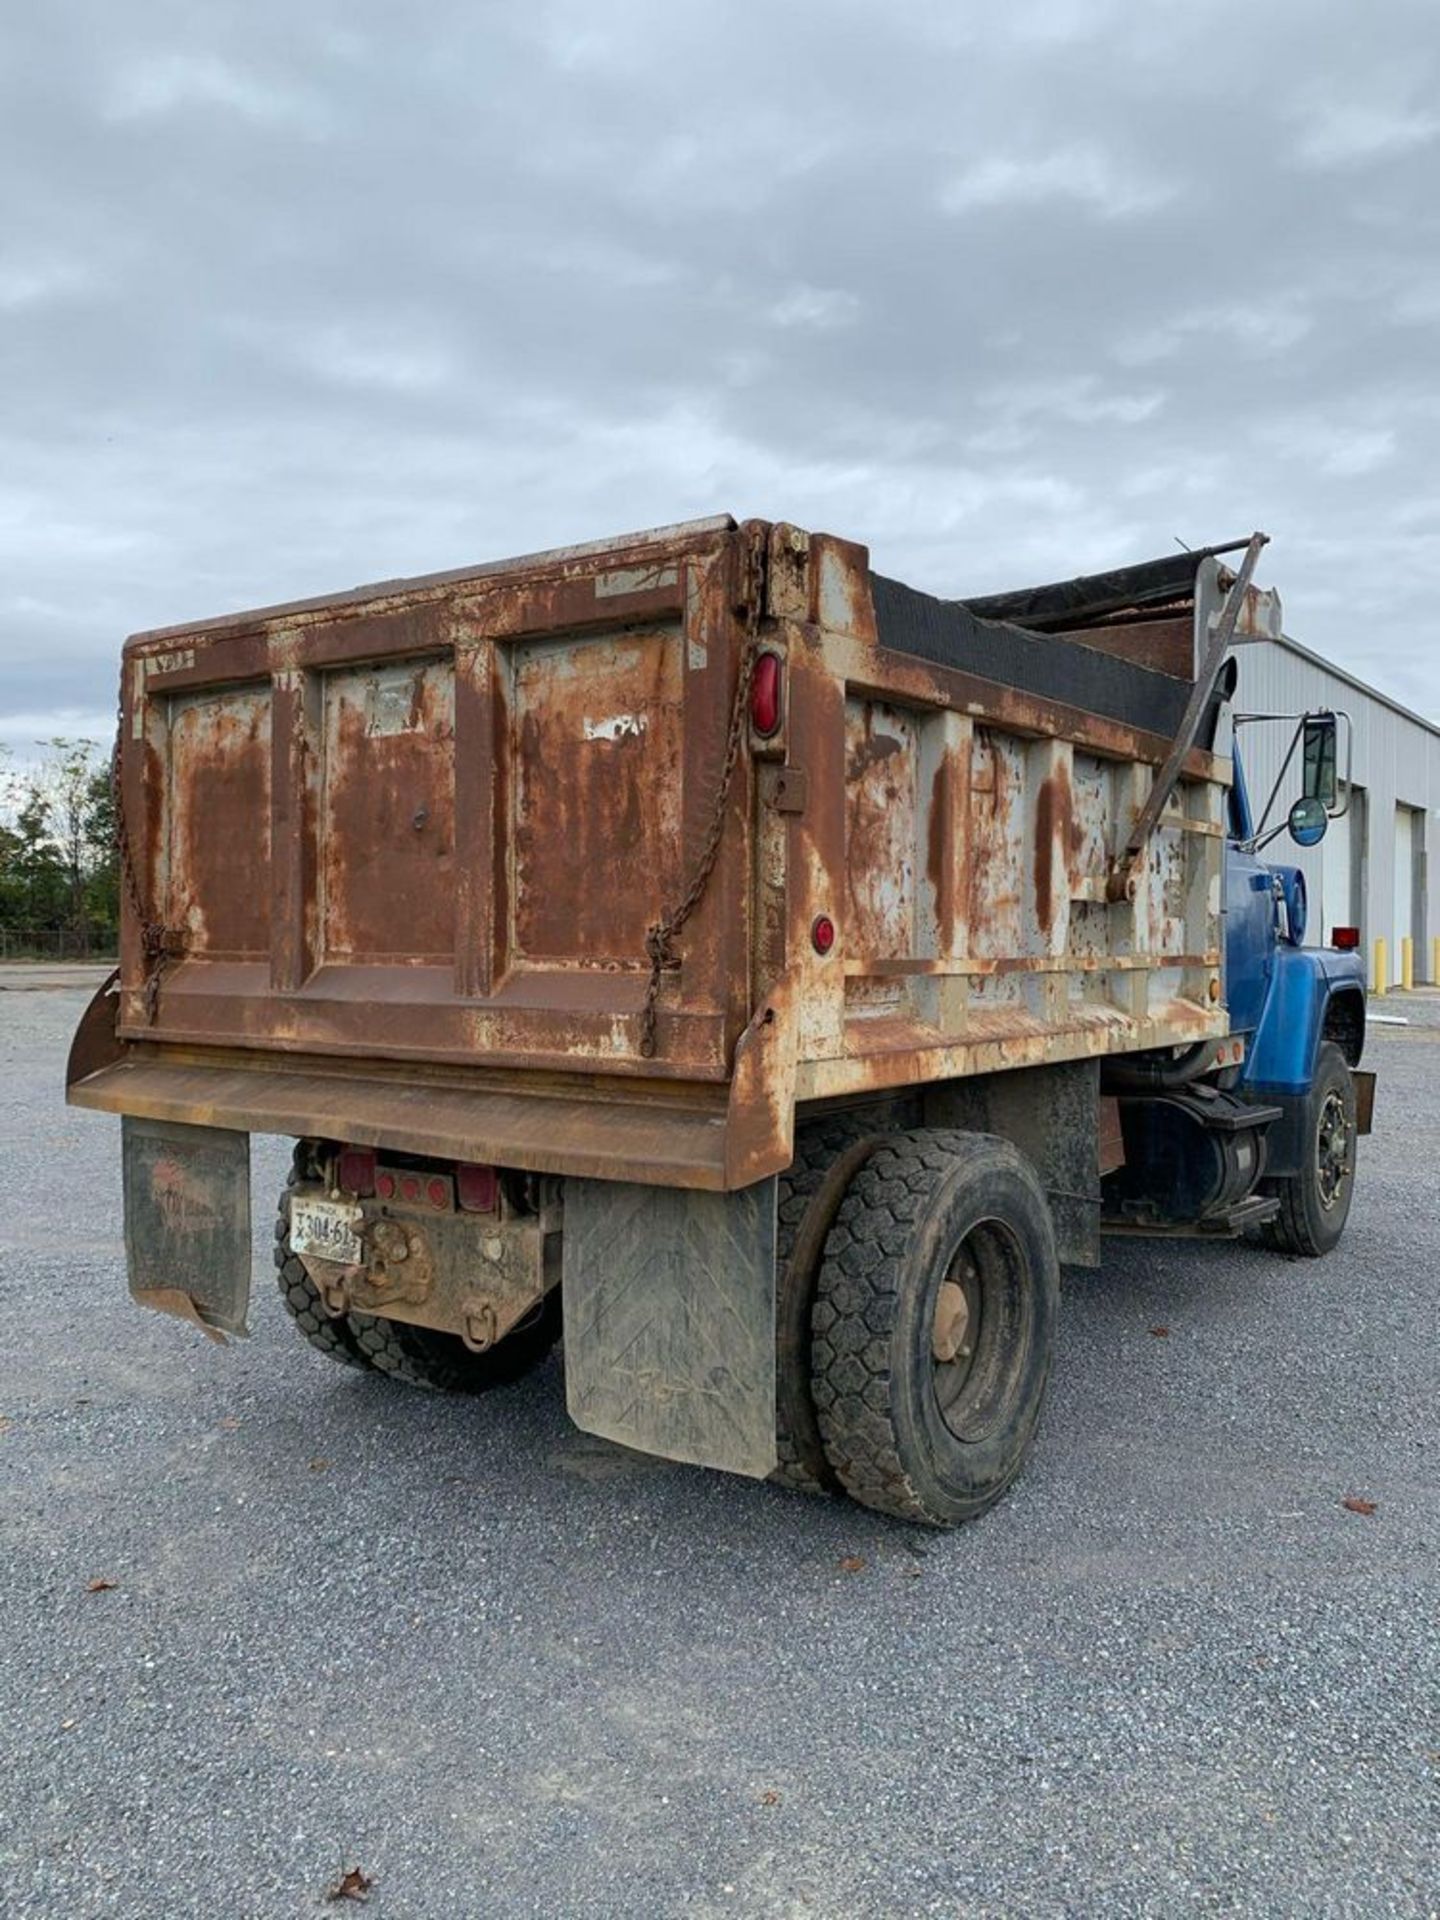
pixel 296 295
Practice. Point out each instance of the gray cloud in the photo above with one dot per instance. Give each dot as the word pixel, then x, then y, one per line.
pixel 295 297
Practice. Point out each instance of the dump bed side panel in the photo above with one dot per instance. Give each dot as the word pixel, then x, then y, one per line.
pixel 969 787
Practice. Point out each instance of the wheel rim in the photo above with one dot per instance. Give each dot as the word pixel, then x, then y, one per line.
pixel 979 1330
pixel 1332 1150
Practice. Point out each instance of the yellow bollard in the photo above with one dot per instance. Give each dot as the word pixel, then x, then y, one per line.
pixel 1380 980
pixel 1407 963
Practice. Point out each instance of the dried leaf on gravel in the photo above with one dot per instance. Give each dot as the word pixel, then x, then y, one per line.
pixel 100 1585
pixel 1161 1333
pixel 1353 1504
pixel 318 1466
pixel 230 1423
pixel 770 1798
pixel 352 1885
pixel 852 1563
pixel 5 1424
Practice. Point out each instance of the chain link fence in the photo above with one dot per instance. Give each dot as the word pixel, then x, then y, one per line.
pixel 54 943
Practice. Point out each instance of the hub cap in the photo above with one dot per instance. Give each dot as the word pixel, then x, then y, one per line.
pixel 1332 1150
pixel 982 1308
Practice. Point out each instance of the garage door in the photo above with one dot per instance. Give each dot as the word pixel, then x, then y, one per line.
pixel 1337 879
pixel 1403 922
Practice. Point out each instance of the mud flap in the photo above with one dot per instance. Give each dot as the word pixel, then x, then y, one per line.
pixel 670 1320
pixel 187 1221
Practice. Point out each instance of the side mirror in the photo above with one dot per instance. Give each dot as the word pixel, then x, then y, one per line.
pixel 1308 818
pixel 1319 780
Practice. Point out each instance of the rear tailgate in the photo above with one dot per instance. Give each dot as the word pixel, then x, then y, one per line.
pixel 433 822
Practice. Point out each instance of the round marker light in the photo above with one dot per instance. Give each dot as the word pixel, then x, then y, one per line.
pixel 385 1185
pixel 822 933
pixel 437 1192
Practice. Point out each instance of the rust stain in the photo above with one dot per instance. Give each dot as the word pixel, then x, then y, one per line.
pixel 881 829
pixel 596 785
pixel 387 822
pixel 1054 828
pixel 219 869
pixel 996 817
pixel 939 833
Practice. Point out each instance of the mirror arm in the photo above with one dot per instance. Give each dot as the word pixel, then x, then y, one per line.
pixel 1259 838
pixel 1341 714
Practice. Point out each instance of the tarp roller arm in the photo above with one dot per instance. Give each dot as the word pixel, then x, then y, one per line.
pixel 1121 881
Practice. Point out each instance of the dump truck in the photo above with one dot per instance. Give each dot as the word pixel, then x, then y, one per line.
pixel 755 970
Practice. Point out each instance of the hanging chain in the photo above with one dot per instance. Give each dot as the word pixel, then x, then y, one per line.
pixel 156 941
pixel 661 935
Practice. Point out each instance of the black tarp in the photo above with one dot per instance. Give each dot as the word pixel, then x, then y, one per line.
pixel 1090 595
pixel 953 635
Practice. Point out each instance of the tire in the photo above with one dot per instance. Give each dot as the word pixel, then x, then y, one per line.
pixel 932 1439
pixel 442 1363
pixel 828 1153
pixel 336 1339
pixel 1315 1203
pixel 418 1356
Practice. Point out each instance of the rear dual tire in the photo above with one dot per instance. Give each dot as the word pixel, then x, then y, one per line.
pixel 828 1154
pixel 933 1324
pixel 417 1356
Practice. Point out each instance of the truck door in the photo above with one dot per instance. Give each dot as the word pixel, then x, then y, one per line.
pixel 1249 917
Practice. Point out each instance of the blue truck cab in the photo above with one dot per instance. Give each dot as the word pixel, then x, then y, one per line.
pixel 1300 1012
pixel 1258 1135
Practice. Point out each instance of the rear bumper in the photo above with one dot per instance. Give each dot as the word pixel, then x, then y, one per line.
pixel 666 1134
pixel 543 1133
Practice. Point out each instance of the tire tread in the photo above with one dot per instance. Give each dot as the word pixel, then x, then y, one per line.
pixel 818 1145
pixel 858 1301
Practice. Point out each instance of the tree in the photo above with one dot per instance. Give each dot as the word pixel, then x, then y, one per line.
pixel 66 778
pixel 36 875
pixel 102 856
pixel 58 866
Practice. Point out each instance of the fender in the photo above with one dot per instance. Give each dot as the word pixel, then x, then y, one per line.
pixel 1303 985
pixel 1315 994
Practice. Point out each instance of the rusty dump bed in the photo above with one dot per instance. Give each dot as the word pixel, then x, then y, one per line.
pixel 395 853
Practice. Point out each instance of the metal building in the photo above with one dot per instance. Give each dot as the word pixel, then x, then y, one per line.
pixel 1373 868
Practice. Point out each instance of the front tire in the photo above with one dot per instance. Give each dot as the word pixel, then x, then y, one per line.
pixel 934 1324
pixel 1315 1202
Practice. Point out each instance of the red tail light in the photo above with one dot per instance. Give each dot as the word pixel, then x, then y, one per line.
pixel 1345 938
pixel 477 1188
pixel 822 933
pixel 417 1188
pixel 356 1171
pixel 767 688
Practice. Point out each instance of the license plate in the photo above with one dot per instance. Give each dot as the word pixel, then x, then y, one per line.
pixel 327 1230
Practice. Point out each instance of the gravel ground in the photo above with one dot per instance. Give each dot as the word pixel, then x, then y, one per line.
pixel 508 1670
